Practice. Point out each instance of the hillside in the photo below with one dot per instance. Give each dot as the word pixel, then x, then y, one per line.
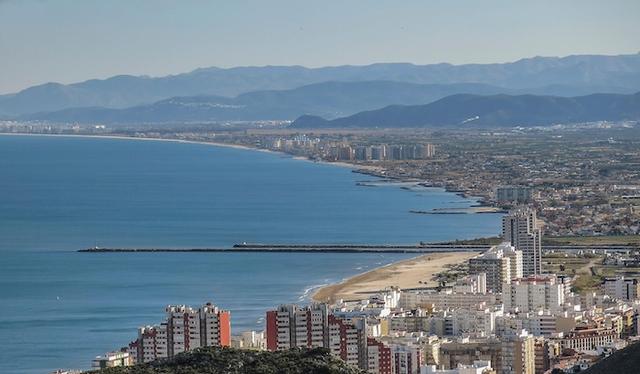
pixel 328 99
pixel 490 111
pixel 234 361
pixel 625 361
pixel 589 73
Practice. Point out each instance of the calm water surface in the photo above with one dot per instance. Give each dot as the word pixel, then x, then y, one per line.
pixel 60 194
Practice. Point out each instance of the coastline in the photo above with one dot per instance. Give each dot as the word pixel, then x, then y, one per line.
pixel 353 167
pixel 404 274
pixel 307 284
pixel 415 272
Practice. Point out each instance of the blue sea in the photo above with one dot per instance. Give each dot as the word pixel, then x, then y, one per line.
pixel 61 308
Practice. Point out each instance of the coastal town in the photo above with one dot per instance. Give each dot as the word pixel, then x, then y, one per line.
pixel 515 308
pixel 582 180
pixel 335 187
pixel 523 303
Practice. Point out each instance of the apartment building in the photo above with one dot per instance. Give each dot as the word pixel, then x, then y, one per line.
pixel 513 194
pixel 292 326
pixel 466 351
pixel 447 299
pixel 621 288
pixel 520 228
pixel 184 329
pixel 406 358
pixel 588 339
pixel 500 264
pixel 533 293
pixel 348 340
pixel 378 357
pixel 478 367
pixel 518 354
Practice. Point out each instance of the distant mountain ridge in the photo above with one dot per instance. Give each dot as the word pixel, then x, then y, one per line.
pixel 615 74
pixel 328 100
pixel 464 110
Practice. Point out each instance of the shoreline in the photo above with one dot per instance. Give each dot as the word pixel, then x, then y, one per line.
pixel 404 274
pixel 415 272
pixel 353 167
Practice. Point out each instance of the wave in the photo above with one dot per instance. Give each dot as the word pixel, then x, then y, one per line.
pixel 307 292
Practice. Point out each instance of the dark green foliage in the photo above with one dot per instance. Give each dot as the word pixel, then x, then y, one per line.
pixel 625 361
pixel 234 361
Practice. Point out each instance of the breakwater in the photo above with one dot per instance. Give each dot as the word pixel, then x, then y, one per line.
pixel 337 248
pixel 353 248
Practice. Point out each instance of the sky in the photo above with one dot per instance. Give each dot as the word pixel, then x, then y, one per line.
pixel 69 41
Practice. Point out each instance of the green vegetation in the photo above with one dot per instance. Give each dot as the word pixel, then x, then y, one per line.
pixel 234 361
pixel 451 273
pixel 585 282
pixel 601 240
pixel 588 270
pixel 583 269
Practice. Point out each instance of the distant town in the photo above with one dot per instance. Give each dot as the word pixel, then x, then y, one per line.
pixel 583 180
pixel 556 293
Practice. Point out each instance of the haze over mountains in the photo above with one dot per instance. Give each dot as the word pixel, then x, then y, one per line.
pixel 328 100
pixel 465 110
pixel 287 92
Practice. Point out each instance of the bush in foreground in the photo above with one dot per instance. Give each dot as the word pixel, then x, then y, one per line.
pixel 234 361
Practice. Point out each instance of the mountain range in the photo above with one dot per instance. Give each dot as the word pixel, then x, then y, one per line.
pixel 580 74
pixel 328 100
pixel 464 110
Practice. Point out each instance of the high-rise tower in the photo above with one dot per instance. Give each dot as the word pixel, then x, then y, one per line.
pixel 520 228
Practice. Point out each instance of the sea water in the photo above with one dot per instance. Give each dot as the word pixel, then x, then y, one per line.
pixel 60 308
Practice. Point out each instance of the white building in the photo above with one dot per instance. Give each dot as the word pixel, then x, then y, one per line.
pixel 533 293
pixel 250 340
pixel 184 329
pixel 447 299
pixel 520 228
pixel 500 264
pixel 585 339
pixel 152 343
pixel 478 367
pixel 478 322
pixel 406 359
pixel 621 288
pixel 473 283
pixel 112 359
pixel 541 323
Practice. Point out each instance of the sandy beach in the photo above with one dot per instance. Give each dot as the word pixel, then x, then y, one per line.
pixel 403 274
pixel 371 168
pixel 125 137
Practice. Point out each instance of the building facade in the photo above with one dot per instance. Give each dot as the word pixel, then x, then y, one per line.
pixel 291 326
pixel 184 329
pixel 520 228
pixel 621 288
pixel 518 354
pixel 499 264
pixel 513 194
pixel 533 293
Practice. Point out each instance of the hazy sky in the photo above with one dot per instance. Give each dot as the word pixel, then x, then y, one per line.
pixel 67 41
